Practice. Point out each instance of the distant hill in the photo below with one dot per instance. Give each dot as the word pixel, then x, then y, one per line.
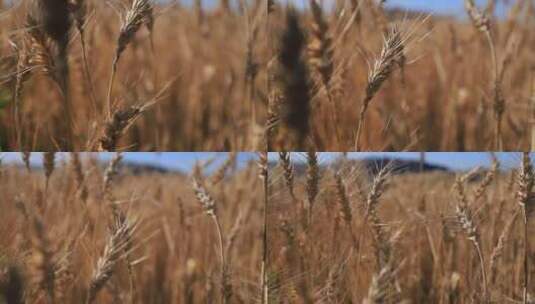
pixel 141 169
pixel 374 164
pixel 125 167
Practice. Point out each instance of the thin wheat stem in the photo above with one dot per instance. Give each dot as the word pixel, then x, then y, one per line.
pixel 360 125
pixel 88 74
pixel 483 271
pixel 110 87
pixel 526 257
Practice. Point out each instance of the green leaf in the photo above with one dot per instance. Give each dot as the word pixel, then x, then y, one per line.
pixel 5 99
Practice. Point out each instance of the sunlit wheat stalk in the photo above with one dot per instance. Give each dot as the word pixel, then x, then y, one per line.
pixel 466 221
pixel 481 21
pixel 210 208
pixel 139 13
pixel 393 48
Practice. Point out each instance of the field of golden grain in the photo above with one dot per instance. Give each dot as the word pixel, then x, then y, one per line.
pixel 366 78
pixel 338 234
pixel 80 231
pixel 187 78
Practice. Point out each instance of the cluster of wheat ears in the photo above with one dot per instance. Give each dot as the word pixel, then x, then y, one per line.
pixel 130 75
pixel 74 231
pixel 339 234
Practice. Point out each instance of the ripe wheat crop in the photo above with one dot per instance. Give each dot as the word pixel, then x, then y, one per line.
pixel 86 75
pixel 362 76
pixel 79 231
pixel 345 232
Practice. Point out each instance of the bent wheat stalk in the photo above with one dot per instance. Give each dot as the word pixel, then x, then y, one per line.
pixel 140 13
pixel 481 21
pixel 393 49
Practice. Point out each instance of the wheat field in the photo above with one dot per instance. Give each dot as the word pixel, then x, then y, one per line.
pixel 139 75
pixel 345 232
pixel 77 230
pixel 357 75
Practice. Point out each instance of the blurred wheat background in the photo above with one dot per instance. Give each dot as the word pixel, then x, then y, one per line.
pixel 188 77
pixel 76 230
pixel 408 80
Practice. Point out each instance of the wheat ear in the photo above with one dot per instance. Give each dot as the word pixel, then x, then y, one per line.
pixel 467 222
pixel 210 208
pixel 118 240
pixel 393 50
pixel 139 13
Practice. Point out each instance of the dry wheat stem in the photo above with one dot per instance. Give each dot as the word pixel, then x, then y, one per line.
pixel 287 166
pixel 482 22
pixel 210 208
pixel 497 252
pixel 80 16
pixel 468 225
pixel 526 181
pixel 139 13
pixel 312 183
pixel 263 165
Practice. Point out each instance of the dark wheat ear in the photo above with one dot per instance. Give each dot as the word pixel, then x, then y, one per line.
pixel 288 168
pixel 294 82
pixel 312 182
pixel 54 21
pixel 49 163
pixel 117 125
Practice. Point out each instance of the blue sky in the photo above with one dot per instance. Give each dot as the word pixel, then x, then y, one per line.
pixel 452 160
pixel 452 7
pixel 449 7
pixel 174 160
pixel 185 160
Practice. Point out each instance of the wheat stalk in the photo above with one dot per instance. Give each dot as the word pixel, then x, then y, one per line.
pixel 45 259
pixel 26 159
pixel 139 13
pixel 49 165
pixel 109 176
pixel 312 183
pixel 79 176
pixel 288 168
pixel 393 49
pixel 210 208
pixel 466 221
pixel 482 23
pixel 525 197
pixel 264 175
pixel 118 240
pixel 320 55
